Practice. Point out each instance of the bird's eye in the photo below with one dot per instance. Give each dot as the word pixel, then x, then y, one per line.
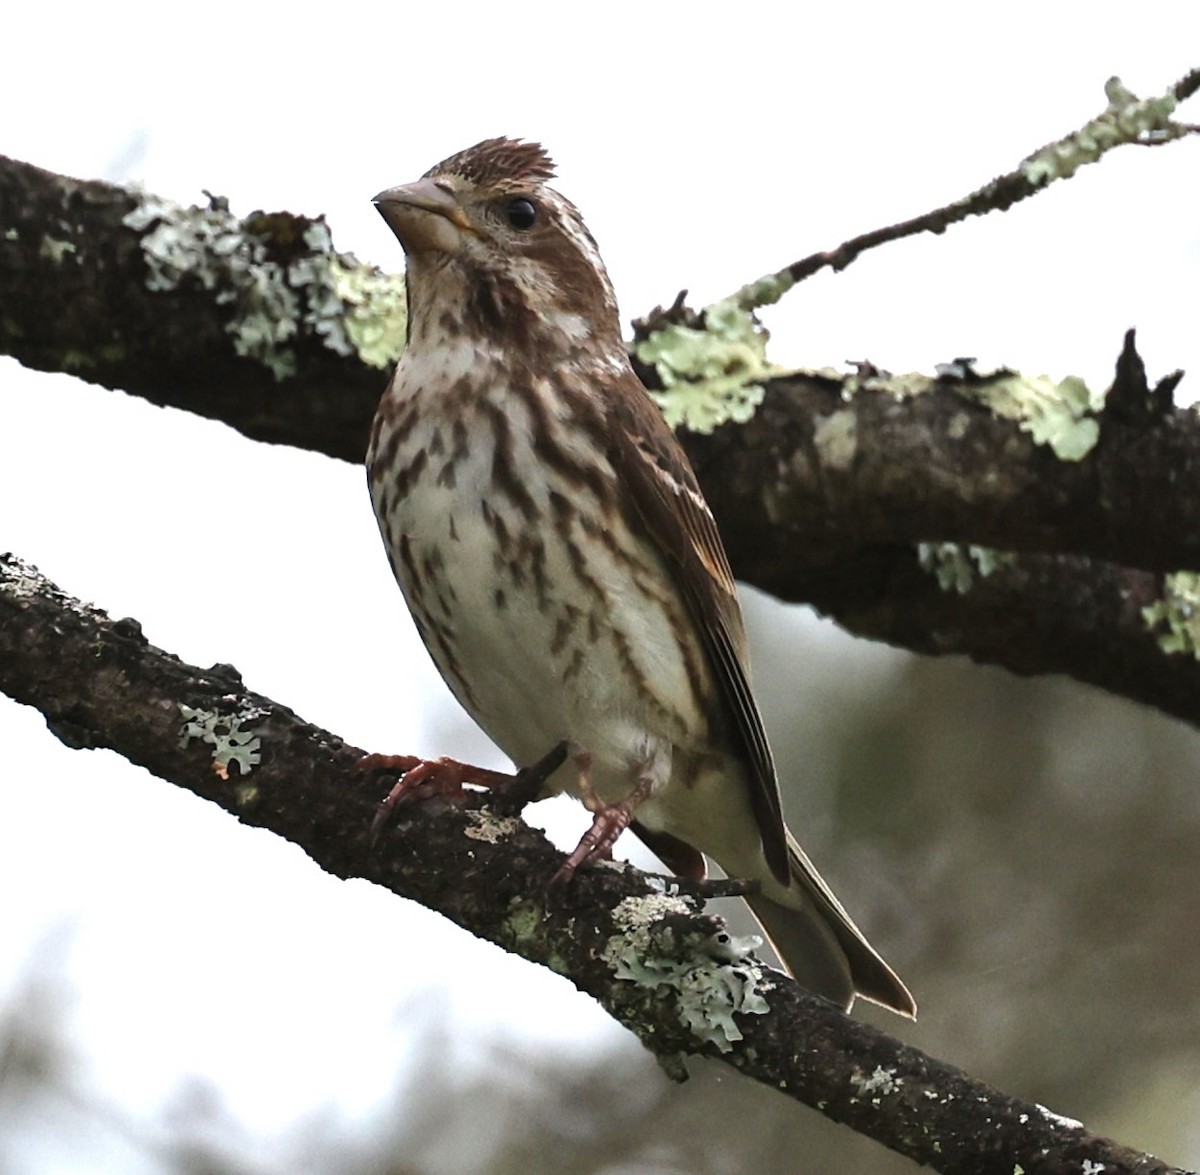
pixel 521 212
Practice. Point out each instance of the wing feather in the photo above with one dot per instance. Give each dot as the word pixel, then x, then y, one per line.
pixel 666 496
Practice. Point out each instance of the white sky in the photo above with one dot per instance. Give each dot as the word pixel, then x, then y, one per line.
pixel 705 146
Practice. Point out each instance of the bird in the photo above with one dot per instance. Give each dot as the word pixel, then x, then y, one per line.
pixel 562 565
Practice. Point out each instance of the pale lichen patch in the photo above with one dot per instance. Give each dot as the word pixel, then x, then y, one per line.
pixel 956 564
pixel 1127 119
pixel 230 742
pixel 55 250
pixel 836 438
pixel 376 311
pixel 272 301
pixel 876 1085
pixel 20 580
pixel 1062 414
pixel 1176 617
pixel 710 374
pixel 715 979
pixel 486 826
pixel 1059 414
pixel 1059 1119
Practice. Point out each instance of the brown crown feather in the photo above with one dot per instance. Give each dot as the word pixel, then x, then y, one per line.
pixel 498 160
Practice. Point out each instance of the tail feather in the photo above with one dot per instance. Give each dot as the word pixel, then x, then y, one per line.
pixel 821 946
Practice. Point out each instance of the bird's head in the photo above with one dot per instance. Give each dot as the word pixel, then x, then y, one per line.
pixel 486 236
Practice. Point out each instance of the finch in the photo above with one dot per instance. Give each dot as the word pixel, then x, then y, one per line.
pixel 560 562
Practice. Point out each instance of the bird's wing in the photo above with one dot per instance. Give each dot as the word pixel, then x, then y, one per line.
pixel 663 490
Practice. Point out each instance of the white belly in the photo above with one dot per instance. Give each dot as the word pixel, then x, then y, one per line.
pixel 534 651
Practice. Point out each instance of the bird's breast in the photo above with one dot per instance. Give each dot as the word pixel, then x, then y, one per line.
pixel 546 609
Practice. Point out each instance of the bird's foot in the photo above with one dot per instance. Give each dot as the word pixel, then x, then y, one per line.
pixel 608 822
pixel 421 779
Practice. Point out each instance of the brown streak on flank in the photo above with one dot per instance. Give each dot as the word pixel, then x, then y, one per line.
pixel 640 682
pixel 623 557
pixel 695 663
pixel 373 443
pixel 502 550
pixel 453 531
pixel 568 620
pixel 574 666
pixel 447 662
pixel 504 472
pixel 386 437
pixel 531 551
pixel 381 497
pixel 437 443
pixel 500 600
pixel 405 477
pixel 411 579
pixel 545 432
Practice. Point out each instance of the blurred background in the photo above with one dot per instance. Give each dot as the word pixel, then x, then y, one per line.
pixel 181 993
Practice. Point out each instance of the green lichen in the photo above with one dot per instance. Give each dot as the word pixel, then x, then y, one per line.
pixel 73 359
pixel 714 980
pixel 1127 119
pixel 766 291
pixel 525 929
pixel 956 564
pixel 712 374
pixel 376 312
pixel 877 1085
pixel 1060 414
pixel 899 387
pixel 486 826
pixel 55 250
pixel 273 302
pixel 1175 619
pixel 836 438
pixel 230 743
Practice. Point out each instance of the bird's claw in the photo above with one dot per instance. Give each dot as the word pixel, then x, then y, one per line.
pixel 608 822
pixel 422 779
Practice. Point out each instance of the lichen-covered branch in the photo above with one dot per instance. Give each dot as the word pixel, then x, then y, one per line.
pixel 1125 120
pixel 256 321
pixel 920 512
pixel 650 958
pixel 860 493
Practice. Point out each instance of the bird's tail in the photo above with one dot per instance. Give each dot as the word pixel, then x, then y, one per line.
pixel 821 946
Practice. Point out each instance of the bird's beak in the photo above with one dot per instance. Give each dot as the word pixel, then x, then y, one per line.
pixel 425 217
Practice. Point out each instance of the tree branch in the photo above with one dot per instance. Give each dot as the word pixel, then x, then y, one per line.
pixel 824 495
pixel 1126 120
pixel 842 496
pixel 101 684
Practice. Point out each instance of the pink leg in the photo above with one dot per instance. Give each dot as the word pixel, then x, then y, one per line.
pixel 608 822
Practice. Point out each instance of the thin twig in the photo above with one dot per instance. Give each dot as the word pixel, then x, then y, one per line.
pixel 1126 119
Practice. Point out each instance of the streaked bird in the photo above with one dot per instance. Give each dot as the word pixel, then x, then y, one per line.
pixel 559 559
